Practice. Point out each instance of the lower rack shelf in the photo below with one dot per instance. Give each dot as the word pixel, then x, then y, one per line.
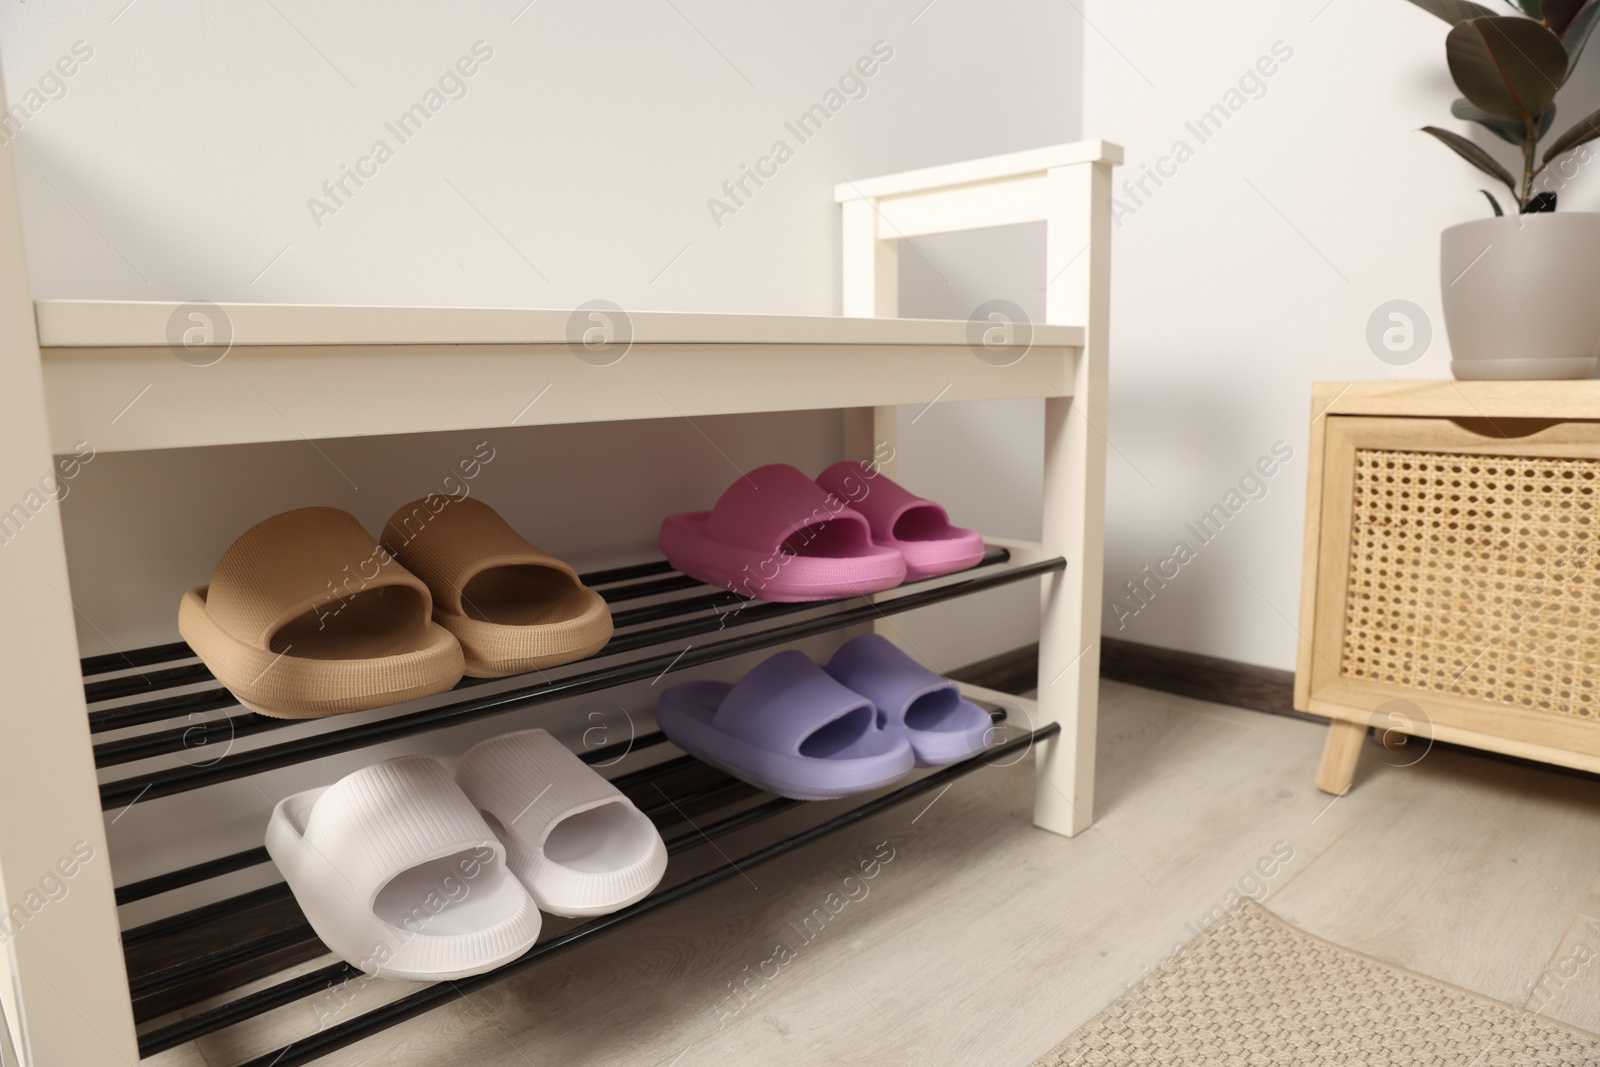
pixel 712 793
pixel 150 700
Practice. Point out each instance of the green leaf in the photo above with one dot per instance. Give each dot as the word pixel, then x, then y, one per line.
pixel 1508 66
pixel 1576 35
pixel 1509 131
pixel 1558 14
pixel 1531 8
pixel 1474 155
pixel 1453 11
pixel 1584 132
pixel 1492 201
pixel 1512 131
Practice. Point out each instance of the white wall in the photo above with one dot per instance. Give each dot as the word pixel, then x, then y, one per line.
pixel 177 159
pixel 590 141
pixel 1252 271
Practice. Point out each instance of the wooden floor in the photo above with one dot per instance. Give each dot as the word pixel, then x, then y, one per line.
pixel 985 941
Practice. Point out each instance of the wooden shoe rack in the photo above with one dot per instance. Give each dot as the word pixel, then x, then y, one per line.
pixel 86 738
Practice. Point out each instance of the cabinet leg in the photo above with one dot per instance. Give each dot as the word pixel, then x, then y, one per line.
pixel 1339 756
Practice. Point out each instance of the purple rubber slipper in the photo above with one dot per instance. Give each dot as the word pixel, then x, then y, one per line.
pixel 776 535
pixel 926 709
pixel 918 529
pixel 788 728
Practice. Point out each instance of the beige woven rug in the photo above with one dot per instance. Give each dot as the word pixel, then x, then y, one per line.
pixel 1254 990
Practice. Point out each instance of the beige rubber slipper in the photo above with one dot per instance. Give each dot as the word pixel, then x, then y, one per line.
pixel 513 607
pixel 306 616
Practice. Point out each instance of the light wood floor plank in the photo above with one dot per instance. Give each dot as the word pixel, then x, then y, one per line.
pixel 182 1056
pixel 1568 988
pixel 1470 873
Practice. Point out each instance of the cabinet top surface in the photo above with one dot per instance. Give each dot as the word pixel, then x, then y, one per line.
pixel 145 324
pixel 1457 399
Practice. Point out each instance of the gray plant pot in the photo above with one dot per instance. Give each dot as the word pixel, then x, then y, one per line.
pixel 1522 295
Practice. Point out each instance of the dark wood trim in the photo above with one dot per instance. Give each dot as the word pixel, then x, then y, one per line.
pixel 1015 672
pixel 1221 681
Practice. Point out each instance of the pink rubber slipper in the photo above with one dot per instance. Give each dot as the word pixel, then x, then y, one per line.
pixel 918 529
pixel 776 535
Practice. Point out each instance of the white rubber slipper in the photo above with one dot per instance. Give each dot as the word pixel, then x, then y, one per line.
pixel 400 876
pixel 579 846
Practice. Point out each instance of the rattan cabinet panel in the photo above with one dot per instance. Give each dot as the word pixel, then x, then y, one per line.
pixel 1453 586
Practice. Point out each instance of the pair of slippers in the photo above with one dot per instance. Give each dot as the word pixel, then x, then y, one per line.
pixel 777 535
pixel 407 870
pixel 306 615
pixel 819 733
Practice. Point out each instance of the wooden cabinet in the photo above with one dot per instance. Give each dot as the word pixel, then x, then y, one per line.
pixel 1452 570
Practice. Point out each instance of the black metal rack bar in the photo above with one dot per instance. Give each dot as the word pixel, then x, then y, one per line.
pixel 134 658
pixel 199 872
pixel 104 720
pixel 726 605
pixel 219 959
pixel 145 682
pixel 343 1034
pixel 135 936
pixel 111 753
pixel 152 1042
pixel 148 711
pixel 140 657
pixel 254 761
pixel 194 673
pixel 671 584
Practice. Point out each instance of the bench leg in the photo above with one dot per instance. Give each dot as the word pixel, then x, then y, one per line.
pixel 1339 756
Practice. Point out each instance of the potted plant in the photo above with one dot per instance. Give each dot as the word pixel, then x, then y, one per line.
pixel 1520 288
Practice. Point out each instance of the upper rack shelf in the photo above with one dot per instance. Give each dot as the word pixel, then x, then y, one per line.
pixel 701 626
pixel 144 375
